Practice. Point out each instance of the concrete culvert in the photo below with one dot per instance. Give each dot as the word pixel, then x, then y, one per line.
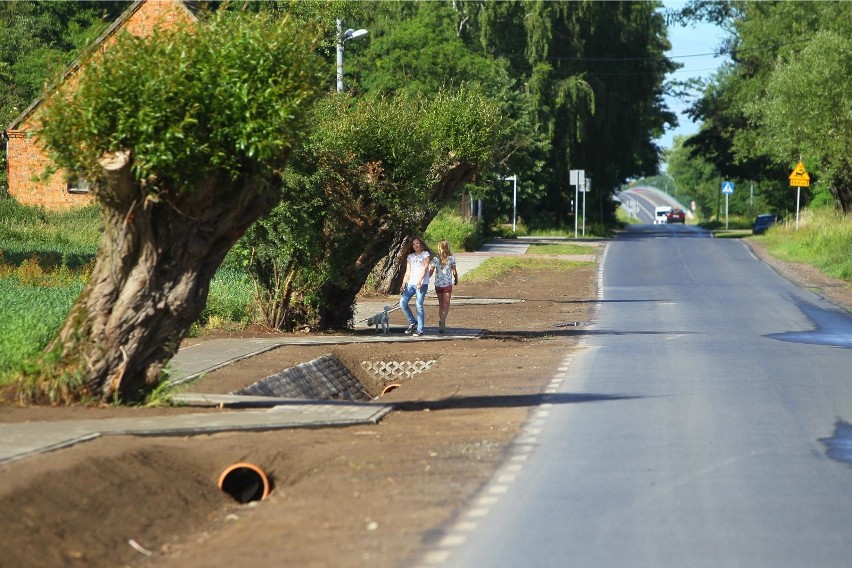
pixel 245 482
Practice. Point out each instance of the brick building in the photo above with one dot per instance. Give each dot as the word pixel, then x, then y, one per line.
pixel 26 161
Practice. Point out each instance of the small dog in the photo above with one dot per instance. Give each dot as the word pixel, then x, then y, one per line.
pixel 380 320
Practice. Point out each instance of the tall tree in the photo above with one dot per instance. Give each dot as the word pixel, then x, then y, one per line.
pixel 807 113
pixel 738 133
pixel 183 135
pixel 595 71
pixel 373 172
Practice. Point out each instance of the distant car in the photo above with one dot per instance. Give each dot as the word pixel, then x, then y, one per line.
pixel 676 215
pixel 762 223
pixel 661 214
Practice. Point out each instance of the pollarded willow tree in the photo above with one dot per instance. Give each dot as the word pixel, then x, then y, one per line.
pixel 373 172
pixel 183 135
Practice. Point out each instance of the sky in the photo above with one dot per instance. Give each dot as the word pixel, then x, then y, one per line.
pixel 694 48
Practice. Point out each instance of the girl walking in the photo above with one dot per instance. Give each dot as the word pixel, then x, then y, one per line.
pixel 415 282
pixel 444 267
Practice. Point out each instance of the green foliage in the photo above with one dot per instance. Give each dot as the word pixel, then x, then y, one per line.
pixel 231 299
pixel 558 69
pixel 463 235
pixel 423 53
pixel 35 301
pixel 696 175
pixel 56 238
pixel 224 97
pixel 31 316
pixel 370 169
pixel 599 108
pixel 823 239
pixel 781 99
pixel 823 112
pixel 37 40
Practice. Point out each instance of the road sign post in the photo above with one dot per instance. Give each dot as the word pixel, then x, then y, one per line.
pixel 727 189
pixel 577 178
pixel 587 187
pixel 799 178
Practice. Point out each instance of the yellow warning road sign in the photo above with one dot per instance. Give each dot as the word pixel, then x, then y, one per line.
pixel 800 177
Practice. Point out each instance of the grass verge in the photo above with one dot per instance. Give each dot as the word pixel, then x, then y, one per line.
pixel 823 239
pixel 496 267
pixel 558 249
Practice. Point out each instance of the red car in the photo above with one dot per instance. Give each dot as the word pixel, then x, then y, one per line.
pixel 676 215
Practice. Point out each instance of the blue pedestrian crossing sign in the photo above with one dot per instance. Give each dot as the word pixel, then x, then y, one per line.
pixel 727 187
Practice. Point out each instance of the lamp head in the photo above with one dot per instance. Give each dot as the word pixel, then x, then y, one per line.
pixel 352 34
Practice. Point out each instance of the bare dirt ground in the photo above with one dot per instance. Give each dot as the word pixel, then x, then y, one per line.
pixel 375 495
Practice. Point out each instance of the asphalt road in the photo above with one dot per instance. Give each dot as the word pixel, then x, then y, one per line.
pixel 703 424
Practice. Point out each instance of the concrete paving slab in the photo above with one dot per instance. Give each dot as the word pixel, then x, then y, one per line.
pixel 210 355
pixel 29 438
pixel 231 400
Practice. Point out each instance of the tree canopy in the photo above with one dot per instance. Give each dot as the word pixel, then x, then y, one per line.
pixel 583 82
pixel 783 97
pixel 188 104
pixel 372 172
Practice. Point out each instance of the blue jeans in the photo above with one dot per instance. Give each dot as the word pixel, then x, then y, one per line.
pixel 407 293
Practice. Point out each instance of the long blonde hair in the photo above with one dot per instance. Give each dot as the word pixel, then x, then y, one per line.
pixel 444 251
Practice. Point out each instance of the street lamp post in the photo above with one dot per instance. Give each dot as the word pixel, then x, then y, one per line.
pixel 341 37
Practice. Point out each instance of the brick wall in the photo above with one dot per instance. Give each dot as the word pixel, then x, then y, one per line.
pixel 162 14
pixel 27 162
pixel 26 167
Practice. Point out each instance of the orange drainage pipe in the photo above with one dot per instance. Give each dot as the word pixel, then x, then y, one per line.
pixel 245 482
pixel 389 388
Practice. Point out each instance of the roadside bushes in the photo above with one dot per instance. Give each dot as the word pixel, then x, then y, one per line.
pixel 448 224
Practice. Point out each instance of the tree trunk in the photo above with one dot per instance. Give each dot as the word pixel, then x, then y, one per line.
pixel 149 284
pixel 388 249
pixel 842 190
pixel 393 266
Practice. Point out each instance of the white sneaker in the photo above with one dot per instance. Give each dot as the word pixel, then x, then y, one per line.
pixel 411 329
pixel 417 334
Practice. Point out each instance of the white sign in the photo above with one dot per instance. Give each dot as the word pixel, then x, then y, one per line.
pixel 577 177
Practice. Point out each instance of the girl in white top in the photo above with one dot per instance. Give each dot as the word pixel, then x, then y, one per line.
pixel 444 267
pixel 415 282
